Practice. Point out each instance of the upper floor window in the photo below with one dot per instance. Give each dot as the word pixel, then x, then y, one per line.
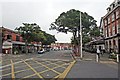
pixel 113 17
pixel 109 20
pixel 17 38
pixel 106 32
pixel 117 14
pixel 105 22
pixel 9 36
pixel 113 28
pixel 119 28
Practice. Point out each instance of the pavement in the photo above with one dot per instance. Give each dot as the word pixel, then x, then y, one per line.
pixel 57 64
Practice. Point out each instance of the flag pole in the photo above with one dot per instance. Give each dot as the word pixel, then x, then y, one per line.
pixel 81 55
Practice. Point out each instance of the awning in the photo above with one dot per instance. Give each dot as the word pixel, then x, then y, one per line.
pixel 7 45
pixel 19 43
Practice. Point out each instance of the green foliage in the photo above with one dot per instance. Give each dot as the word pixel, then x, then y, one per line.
pixel 70 22
pixel 32 32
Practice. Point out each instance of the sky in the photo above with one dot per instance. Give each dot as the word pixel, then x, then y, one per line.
pixel 43 12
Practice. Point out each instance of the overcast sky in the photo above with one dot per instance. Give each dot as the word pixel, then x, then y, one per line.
pixel 43 12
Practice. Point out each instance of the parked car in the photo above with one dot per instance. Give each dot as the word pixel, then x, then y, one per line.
pixel 41 51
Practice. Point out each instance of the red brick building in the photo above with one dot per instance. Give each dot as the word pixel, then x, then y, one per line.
pixel 11 40
pixel 11 35
pixel 111 27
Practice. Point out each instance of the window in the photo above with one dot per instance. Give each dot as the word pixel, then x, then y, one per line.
pixel 8 36
pixel 17 38
pixel 118 28
pixel 117 14
pixel 109 20
pixel 106 32
pixel 105 22
pixel 110 43
pixel 113 28
pixel 114 43
pixel 109 30
pixel 113 17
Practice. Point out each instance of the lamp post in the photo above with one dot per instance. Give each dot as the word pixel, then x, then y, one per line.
pixel 81 55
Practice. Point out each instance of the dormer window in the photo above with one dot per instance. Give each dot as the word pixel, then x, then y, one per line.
pixel 118 2
pixel 108 9
pixel 113 5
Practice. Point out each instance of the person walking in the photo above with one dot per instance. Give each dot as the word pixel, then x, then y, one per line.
pixel 98 54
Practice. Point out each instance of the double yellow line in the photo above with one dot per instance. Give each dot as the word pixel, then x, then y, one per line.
pixel 12 70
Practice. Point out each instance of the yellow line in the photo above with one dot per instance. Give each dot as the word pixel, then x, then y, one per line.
pixel 12 70
pixel 47 67
pixel 64 74
pixel 56 63
pixel 26 69
pixel 6 74
pixel 29 76
pixel 33 70
pixel 46 71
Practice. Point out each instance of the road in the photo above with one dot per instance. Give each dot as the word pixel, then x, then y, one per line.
pixel 55 64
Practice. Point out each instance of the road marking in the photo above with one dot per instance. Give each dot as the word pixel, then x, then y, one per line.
pixel 16 62
pixel 64 74
pixel 47 67
pixel 26 69
pixel 46 71
pixel 55 63
pixel 112 62
pixel 12 70
pixel 6 74
pixel 52 59
pixel 33 70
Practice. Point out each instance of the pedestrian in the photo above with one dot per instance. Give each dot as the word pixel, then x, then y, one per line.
pixel 98 54
pixel 103 51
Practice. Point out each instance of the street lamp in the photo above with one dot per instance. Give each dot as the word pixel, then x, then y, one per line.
pixel 81 55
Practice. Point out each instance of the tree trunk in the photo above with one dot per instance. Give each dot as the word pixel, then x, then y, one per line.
pixel 74 43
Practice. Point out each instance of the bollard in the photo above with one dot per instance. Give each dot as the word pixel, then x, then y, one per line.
pixel 117 57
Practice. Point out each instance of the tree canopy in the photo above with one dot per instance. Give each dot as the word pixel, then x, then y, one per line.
pixel 32 32
pixel 70 22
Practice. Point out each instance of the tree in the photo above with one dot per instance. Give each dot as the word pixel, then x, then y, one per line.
pixel 33 33
pixel 49 39
pixel 70 22
pixel 29 32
